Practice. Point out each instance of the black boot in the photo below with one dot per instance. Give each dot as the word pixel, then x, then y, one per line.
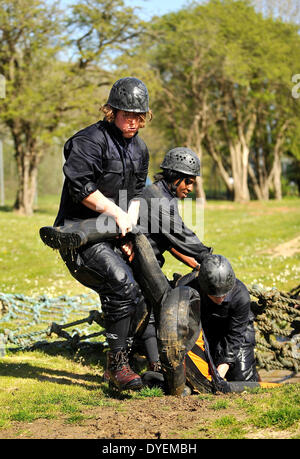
pixel 77 233
pixel 119 374
pixel 62 237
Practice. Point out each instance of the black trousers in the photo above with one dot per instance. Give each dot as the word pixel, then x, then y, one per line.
pixel 103 268
pixel 244 368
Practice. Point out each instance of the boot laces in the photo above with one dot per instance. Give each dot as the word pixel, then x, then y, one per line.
pixel 121 361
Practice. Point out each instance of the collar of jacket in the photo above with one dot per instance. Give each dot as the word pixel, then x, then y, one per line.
pixel 115 132
pixel 162 184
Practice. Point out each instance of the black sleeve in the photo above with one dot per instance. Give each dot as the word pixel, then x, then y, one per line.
pixel 142 172
pixel 83 166
pixel 180 237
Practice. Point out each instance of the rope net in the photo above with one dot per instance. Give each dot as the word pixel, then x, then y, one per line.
pixel 24 321
pixel 277 328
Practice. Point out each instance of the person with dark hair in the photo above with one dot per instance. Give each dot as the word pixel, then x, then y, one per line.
pixel 105 172
pixel 166 230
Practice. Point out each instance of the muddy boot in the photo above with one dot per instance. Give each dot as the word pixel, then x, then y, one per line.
pixel 120 374
pixel 77 233
pixel 155 366
pixel 62 237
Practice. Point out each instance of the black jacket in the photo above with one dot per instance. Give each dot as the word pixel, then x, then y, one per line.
pixel 225 325
pixel 228 326
pixel 99 158
pixel 164 227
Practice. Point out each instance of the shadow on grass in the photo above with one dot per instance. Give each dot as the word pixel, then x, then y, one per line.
pixel 26 370
pixel 87 354
pixel 6 208
pixel 92 354
pixel 62 377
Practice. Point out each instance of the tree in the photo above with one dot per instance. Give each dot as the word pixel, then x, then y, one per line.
pixel 28 33
pixel 286 10
pixel 50 74
pixel 221 65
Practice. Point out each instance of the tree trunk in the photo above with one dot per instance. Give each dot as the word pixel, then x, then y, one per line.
pixel 27 158
pixel 277 168
pixel 262 184
pixel 212 150
pixel 200 193
pixel 239 161
pixel 27 174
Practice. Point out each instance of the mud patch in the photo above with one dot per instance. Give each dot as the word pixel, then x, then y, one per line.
pixel 287 249
pixel 155 418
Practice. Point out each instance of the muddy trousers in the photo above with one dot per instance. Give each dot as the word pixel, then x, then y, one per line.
pixel 102 268
pixel 147 342
pixel 244 368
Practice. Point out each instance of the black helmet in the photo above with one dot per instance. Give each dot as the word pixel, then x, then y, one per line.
pixel 216 276
pixel 129 94
pixel 182 159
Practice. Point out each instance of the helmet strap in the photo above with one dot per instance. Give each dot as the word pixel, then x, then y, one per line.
pixel 174 187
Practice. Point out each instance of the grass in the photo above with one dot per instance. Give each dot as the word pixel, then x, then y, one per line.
pixel 259 413
pixel 35 385
pixel 43 385
pixel 244 233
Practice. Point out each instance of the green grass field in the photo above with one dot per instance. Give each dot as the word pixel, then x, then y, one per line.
pixel 244 233
pixel 68 388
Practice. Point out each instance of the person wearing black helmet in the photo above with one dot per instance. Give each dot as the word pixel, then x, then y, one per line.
pixel 106 169
pixel 167 231
pixel 226 318
pixel 165 228
pixel 159 220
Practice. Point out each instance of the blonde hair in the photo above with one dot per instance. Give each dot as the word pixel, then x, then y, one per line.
pixel 110 114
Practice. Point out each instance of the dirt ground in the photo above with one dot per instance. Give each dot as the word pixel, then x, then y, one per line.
pixel 154 418
pixel 287 249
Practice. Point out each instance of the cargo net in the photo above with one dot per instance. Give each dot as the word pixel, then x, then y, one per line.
pixel 277 328
pixel 33 322
pixel 27 322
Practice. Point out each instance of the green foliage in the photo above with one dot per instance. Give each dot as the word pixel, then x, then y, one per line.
pixel 220 405
pixel 209 68
pixel 54 83
pixel 225 421
pixel 148 392
pixel 280 412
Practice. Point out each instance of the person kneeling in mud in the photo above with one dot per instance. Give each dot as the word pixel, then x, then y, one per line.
pixel 226 318
pixel 220 357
